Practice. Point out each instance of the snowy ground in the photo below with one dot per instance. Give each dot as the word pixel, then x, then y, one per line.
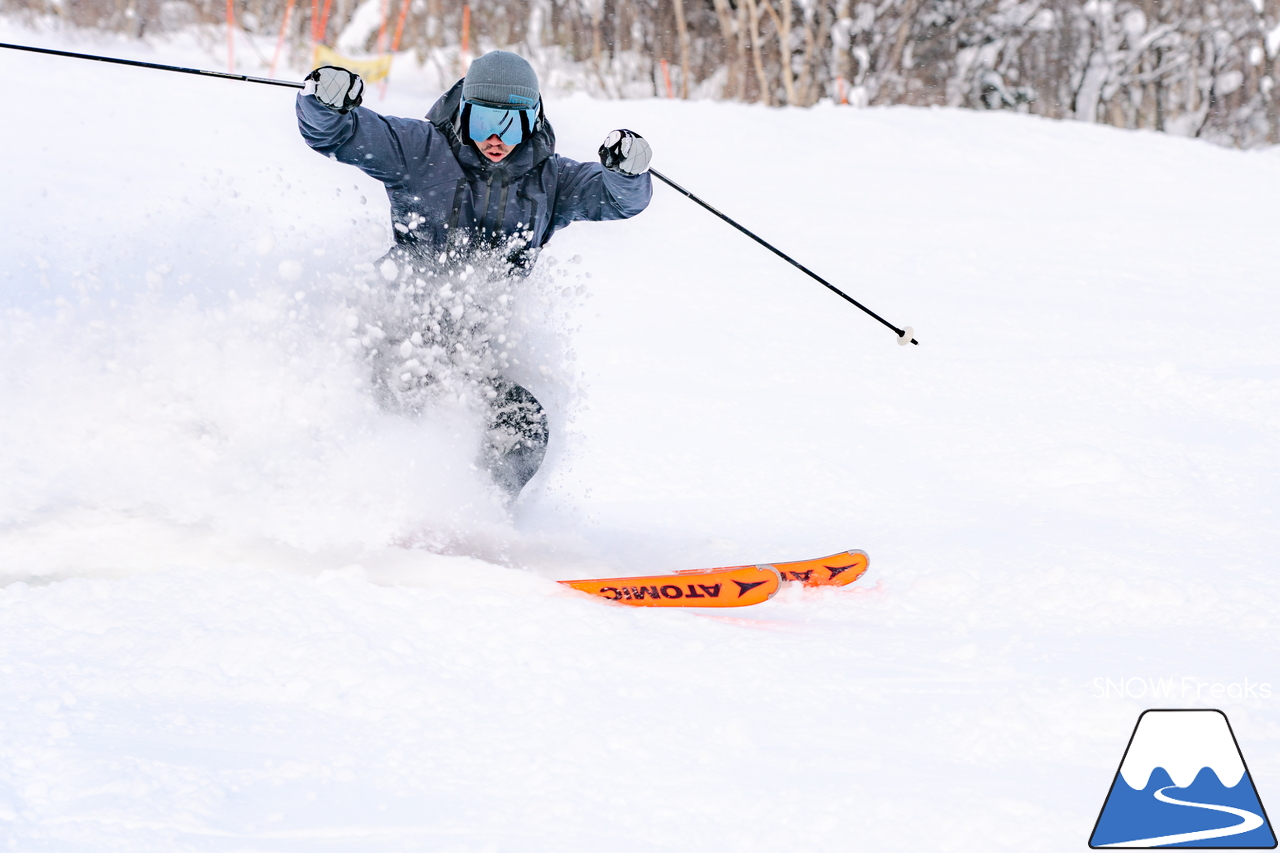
pixel 246 610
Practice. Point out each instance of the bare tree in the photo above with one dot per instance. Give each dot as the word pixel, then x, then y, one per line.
pixel 1206 68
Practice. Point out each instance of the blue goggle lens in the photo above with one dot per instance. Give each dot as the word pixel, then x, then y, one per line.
pixel 484 122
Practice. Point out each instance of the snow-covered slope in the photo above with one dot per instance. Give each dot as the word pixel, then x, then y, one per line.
pixel 247 609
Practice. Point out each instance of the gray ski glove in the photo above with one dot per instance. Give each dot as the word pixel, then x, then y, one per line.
pixel 336 88
pixel 625 151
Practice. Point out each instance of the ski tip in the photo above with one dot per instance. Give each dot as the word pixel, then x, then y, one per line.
pixel 837 570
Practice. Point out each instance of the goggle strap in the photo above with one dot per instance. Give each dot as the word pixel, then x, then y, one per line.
pixel 464 122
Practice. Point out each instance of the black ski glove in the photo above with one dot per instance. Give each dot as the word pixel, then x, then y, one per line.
pixel 336 88
pixel 625 151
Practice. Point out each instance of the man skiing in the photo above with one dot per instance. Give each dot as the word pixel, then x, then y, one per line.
pixel 478 179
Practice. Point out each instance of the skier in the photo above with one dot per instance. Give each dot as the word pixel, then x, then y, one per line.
pixel 478 179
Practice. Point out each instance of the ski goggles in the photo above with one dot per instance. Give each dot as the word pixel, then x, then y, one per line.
pixel 512 126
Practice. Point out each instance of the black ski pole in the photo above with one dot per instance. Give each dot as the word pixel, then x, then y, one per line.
pixel 113 60
pixel 905 335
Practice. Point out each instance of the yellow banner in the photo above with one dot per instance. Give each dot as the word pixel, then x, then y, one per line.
pixel 372 70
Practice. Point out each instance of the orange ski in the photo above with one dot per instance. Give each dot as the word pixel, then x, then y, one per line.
pixel 733 587
pixel 837 570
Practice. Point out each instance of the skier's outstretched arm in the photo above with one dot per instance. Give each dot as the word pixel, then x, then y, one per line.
pixel 618 187
pixel 333 123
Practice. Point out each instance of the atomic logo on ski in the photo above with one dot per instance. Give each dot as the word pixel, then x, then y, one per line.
pixel 711 588
pixel 638 593
pixel 1183 783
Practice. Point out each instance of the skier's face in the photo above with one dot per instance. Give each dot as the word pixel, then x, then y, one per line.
pixel 494 148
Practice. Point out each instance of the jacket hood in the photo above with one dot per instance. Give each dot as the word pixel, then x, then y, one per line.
pixel 445 115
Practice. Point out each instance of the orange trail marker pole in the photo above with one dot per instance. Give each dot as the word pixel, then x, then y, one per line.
pixel 404 13
pixel 284 29
pixel 231 36
pixel 666 78
pixel 464 55
pixel 324 20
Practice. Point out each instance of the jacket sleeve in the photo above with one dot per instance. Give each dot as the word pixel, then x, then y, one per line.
pixel 374 143
pixel 589 191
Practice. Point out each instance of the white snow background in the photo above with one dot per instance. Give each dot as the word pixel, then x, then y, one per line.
pixel 246 610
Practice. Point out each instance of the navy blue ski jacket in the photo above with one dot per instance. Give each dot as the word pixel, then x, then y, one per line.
pixel 444 194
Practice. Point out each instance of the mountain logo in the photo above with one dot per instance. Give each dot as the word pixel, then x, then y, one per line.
pixel 1183 783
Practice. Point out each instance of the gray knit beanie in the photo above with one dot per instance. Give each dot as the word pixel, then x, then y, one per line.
pixel 501 79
